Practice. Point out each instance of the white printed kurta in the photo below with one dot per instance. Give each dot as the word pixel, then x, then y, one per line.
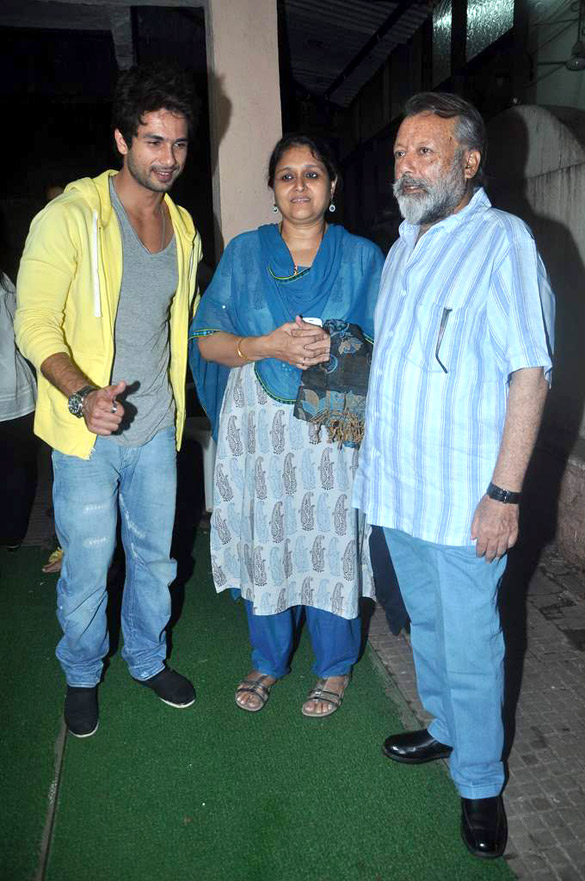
pixel 283 531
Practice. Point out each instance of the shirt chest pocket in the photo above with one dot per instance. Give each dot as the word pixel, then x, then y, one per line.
pixel 434 338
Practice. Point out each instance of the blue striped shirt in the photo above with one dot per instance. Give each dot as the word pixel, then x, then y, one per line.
pixel 458 312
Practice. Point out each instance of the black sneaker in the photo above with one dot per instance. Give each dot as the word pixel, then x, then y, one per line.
pixel 81 711
pixel 172 688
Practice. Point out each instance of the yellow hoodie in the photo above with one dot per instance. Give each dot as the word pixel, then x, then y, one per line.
pixel 68 288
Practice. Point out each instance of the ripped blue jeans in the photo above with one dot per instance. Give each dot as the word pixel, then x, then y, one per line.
pixel 140 482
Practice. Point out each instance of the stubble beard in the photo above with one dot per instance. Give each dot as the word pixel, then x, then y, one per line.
pixel 147 182
pixel 436 201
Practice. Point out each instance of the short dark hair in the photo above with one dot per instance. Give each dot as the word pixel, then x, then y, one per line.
pixel 320 150
pixel 470 129
pixel 145 88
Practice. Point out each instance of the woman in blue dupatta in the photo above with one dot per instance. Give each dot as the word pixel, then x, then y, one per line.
pixel 283 533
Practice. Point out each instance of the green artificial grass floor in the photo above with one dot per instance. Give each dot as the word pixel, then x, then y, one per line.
pixel 212 793
pixel 31 695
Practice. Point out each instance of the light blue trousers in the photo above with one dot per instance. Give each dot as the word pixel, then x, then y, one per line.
pixel 335 640
pixel 451 596
pixel 86 495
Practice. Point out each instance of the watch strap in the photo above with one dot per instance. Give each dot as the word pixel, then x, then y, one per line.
pixel 503 495
pixel 85 391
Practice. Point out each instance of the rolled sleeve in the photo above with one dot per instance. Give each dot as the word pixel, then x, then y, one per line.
pixel 521 314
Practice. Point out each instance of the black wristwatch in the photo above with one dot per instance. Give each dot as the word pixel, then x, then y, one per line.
pixel 502 495
pixel 75 401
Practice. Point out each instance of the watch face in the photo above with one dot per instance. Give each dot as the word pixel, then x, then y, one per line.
pixel 75 405
pixel 75 401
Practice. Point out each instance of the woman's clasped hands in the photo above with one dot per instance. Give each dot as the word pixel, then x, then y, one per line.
pixel 300 344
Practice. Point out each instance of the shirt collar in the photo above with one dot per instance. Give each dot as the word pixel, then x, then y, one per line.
pixel 478 203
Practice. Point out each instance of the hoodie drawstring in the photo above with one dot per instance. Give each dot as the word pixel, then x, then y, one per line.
pixel 97 309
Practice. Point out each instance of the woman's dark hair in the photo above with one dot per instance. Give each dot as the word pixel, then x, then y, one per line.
pixel 318 148
pixel 470 128
pixel 145 88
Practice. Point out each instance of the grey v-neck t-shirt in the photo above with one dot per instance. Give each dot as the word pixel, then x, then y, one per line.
pixel 141 334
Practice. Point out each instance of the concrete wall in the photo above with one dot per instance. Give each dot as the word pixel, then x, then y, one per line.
pixel 537 170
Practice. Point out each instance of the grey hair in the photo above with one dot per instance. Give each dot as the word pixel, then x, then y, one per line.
pixel 469 129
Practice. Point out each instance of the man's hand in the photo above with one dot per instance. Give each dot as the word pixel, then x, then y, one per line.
pixel 102 413
pixel 495 526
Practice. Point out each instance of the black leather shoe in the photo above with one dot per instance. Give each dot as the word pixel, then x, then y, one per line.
pixel 415 747
pixel 484 828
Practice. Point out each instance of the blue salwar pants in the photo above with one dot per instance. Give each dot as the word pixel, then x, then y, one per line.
pixel 451 596
pixel 335 640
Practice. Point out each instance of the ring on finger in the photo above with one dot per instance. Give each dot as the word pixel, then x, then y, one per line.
pixel 114 407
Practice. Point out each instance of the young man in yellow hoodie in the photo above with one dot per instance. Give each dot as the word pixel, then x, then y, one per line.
pixel 105 292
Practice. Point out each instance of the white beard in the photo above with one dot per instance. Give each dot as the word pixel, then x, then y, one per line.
pixel 435 201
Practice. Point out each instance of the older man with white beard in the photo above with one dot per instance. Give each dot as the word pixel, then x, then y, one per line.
pixel 460 372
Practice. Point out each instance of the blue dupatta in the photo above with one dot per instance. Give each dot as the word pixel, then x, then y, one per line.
pixel 254 290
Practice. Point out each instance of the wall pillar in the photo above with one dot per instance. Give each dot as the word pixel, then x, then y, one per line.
pixel 245 113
